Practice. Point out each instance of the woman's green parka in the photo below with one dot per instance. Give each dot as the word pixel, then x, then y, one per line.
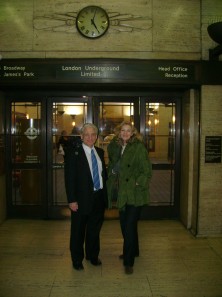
pixel 135 171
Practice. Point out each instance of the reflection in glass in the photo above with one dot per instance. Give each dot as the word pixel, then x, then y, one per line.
pixel 111 114
pixel 160 132
pixel 160 143
pixel 26 187
pixel 25 132
pixel 68 118
pixel 25 150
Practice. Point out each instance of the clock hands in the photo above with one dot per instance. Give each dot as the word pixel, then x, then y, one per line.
pixel 93 22
pixel 94 14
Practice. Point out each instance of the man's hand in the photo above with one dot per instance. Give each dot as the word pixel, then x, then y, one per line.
pixel 73 206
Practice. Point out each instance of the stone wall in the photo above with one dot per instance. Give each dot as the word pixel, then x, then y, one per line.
pixel 210 179
pixel 151 29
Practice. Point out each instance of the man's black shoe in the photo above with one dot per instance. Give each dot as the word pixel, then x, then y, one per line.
pixel 78 266
pixel 96 262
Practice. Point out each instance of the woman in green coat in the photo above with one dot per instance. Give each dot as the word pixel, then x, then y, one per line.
pixel 129 167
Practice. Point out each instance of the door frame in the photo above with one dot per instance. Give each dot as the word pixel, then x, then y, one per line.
pixel 27 211
pixel 153 212
pixel 160 212
pixel 94 97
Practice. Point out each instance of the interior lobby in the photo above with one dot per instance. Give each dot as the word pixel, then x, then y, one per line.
pixel 155 63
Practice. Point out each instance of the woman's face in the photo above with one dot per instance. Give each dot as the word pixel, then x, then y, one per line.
pixel 126 133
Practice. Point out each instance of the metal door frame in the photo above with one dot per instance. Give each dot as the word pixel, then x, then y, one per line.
pixel 152 212
pixel 46 99
pixel 160 212
pixel 27 211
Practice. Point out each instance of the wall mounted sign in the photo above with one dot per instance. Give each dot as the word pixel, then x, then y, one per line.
pixel 213 149
pixel 38 71
pixel 98 71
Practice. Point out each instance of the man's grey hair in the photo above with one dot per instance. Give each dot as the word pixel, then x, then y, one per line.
pixel 89 125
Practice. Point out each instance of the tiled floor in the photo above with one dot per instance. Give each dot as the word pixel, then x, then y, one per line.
pixel 35 262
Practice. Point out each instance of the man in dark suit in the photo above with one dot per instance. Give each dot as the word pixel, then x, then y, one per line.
pixel 87 201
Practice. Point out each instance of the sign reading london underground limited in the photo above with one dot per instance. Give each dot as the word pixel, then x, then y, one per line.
pixel 85 70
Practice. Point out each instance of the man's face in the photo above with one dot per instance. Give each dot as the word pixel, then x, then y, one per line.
pixel 89 137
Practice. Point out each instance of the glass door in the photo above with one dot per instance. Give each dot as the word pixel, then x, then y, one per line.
pixel 36 140
pixel 159 123
pixel 108 113
pixel 160 127
pixel 26 159
pixel 65 119
pixel 112 114
pixel 39 131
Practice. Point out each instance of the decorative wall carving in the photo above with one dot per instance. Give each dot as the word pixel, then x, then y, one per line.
pixel 58 22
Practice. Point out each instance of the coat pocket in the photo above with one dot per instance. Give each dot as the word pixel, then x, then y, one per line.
pixel 113 189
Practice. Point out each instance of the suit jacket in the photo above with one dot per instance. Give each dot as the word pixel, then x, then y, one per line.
pixel 78 178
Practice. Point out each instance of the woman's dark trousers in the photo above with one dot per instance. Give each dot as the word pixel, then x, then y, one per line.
pixel 128 222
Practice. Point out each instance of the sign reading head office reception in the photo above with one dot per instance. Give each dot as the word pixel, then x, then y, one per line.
pixel 104 71
pixel 99 71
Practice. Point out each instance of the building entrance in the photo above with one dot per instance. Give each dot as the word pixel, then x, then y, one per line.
pixel 157 118
pixel 40 130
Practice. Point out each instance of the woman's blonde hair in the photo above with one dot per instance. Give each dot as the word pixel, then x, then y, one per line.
pixel 135 133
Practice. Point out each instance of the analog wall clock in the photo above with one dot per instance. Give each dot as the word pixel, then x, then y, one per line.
pixel 92 22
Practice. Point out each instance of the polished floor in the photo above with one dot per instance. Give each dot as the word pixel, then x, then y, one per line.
pixel 35 262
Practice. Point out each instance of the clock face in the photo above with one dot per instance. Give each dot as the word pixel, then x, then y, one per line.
pixel 92 22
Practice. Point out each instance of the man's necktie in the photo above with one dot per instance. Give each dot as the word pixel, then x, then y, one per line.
pixel 95 171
